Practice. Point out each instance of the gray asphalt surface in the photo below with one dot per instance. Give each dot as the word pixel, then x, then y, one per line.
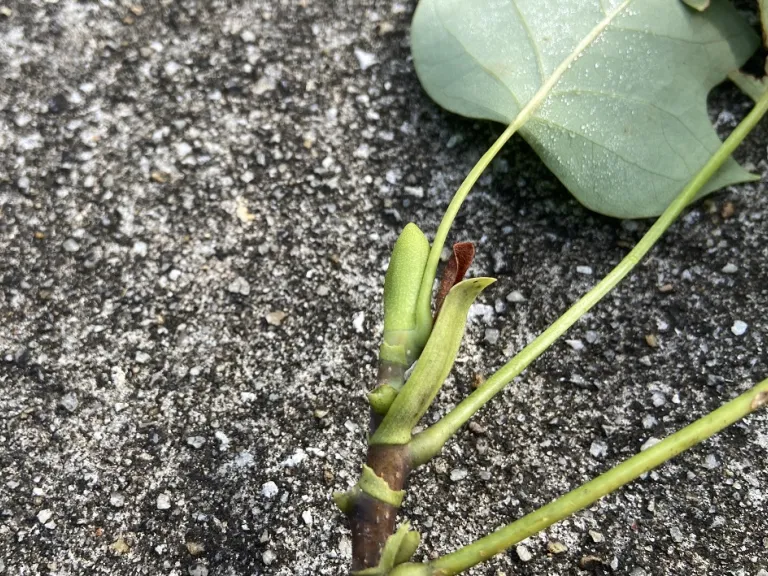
pixel 197 200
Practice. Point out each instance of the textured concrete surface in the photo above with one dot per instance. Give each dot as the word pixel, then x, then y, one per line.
pixel 197 199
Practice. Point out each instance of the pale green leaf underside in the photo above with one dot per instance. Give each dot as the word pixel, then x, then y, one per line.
pixel 626 126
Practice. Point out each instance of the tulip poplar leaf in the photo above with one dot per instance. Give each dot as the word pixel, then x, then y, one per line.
pixel 611 94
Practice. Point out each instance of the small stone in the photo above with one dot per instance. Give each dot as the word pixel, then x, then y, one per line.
pixel 196 441
pixel 658 399
pixel 120 546
pixel 140 248
pixel 586 270
pixel 710 462
pixel 458 474
pixel 163 502
pixel 649 443
pixel 117 500
pixel 70 246
pixel 247 176
pixel 596 536
pixel 195 548
pixel 418 192
pixel 183 149
pixel 268 557
pixel 515 297
pixel 652 340
pixel 638 572
pixel 666 288
pixel 22 120
pixel 762 572
pixel 320 413
pixel 491 336
pixel 476 428
pixel 269 489
pixel 239 286
pixel 591 336
pixel 264 85
pixel 576 345
pixel 142 357
pixel 307 517
pixel 44 516
pixel 598 449
pixel 523 553
pixel 69 402
pixel 248 36
pixel 23 183
pixel 171 68
pixel 365 59
pixel 730 268
pixel 358 321
pixel 556 547
pixel 676 534
pixel 5 11
pixel 649 422
pixel 275 318
pixel 739 328
pixel 727 210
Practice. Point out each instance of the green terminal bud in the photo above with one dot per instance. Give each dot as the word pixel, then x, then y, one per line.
pixel 406 327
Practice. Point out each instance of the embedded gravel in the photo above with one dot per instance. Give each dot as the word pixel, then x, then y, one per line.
pixel 197 200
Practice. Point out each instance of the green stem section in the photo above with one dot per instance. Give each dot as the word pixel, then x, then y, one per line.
pixel 592 491
pixel 428 444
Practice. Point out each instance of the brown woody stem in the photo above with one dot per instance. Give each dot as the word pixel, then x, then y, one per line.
pixel 372 520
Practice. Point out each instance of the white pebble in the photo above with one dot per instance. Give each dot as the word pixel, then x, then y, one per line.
pixel 458 474
pixel 357 322
pixel 576 344
pixel 239 286
pixel 70 245
pixel 491 336
pixel 597 537
pixel 658 399
pixel 307 517
pixel 44 515
pixel 598 449
pixel 183 149
pixel 196 441
pixel 730 268
pixel 711 462
pixel 649 422
pixel 163 502
pixel 586 270
pixel 269 489
pixel 171 68
pixel 676 534
pixel 268 557
pixel 248 36
pixel 117 500
pixel 69 402
pixel 649 443
pixel 515 297
pixel 365 59
pixel 523 553
pixel 739 328
pixel 23 183
pixel 140 248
